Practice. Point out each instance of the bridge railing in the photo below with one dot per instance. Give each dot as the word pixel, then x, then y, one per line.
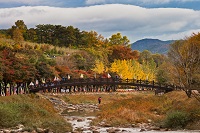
pixel 112 81
pixel 104 81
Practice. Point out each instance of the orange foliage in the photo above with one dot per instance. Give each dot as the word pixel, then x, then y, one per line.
pixel 123 52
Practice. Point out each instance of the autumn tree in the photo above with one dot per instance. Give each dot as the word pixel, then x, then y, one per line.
pixel 136 54
pixel 43 67
pixel 19 31
pixel 83 60
pixel 132 69
pixel 18 36
pixel 149 69
pixel 19 24
pixel 99 67
pixel 62 70
pixel 118 39
pixel 185 58
pixel 8 67
pixel 1 73
pixel 2 34
pixel 121 52
pixel 123 68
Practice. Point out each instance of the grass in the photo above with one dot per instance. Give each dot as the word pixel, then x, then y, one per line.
pixel 125 109
pixel 172 110
pixel 32 111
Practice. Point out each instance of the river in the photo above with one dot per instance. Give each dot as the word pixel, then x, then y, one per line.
pixel 80 117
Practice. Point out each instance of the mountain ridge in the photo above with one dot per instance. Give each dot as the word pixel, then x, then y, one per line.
pixel 152 45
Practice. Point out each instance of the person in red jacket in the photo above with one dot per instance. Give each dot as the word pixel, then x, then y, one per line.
pixel 99 100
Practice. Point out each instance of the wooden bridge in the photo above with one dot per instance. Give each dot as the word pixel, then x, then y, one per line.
pixel 101 84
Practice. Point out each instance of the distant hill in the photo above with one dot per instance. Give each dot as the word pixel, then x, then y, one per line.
pixel 153 45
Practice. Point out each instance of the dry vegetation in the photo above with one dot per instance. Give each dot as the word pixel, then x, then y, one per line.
pixel 172 110
pixel 119 109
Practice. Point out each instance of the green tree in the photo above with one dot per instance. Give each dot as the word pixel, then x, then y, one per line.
pixel 73 36
pixel 145 57
pixel 118 39
pixel 89 39
pixel 21 25
pixel 158 59
pixel 31 35
pixel 163 76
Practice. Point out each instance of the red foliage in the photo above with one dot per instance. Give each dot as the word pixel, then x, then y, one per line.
pixel 122 52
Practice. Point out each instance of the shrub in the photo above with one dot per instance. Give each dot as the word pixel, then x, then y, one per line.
pixel 8 116
pixel 176 120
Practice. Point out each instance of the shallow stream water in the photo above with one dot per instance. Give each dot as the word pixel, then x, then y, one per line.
pixel 81 120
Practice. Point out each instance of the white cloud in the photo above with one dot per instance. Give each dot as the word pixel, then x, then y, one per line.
pixel 132 21
pixel 92 2
pixel 180 35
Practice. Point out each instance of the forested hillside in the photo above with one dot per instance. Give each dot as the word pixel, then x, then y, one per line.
pixel 153 45
pixel 46 51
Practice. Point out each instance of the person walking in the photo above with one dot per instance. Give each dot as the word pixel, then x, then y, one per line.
pixel 99 100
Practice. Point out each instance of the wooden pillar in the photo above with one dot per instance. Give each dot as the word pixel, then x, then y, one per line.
pixel 153 83
pixel 0 89
pixel 10 90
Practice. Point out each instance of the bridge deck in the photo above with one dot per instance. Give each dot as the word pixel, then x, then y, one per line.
pixel 103 82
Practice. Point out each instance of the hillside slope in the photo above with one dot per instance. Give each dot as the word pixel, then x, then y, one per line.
pixel 153 45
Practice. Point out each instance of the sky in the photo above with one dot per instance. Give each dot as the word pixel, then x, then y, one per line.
pixel 136 19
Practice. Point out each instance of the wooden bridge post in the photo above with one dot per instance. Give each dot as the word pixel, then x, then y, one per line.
pixel 0 89
pixel 153 84
pixel 133 80
pixel 127 80
pixel 10 89
pixel 115 88
pixel 70 89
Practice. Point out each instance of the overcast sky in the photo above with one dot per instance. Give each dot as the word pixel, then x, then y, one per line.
pixel 136 19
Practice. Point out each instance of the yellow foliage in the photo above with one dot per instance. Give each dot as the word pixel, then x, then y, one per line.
pixel 132 69
pixel 114 67
pixel 99 67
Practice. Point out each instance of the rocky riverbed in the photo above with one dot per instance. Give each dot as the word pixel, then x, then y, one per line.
pixel 81 115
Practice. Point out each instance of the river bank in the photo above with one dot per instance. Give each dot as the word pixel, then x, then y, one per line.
pixel 119 112
pixel 83 116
